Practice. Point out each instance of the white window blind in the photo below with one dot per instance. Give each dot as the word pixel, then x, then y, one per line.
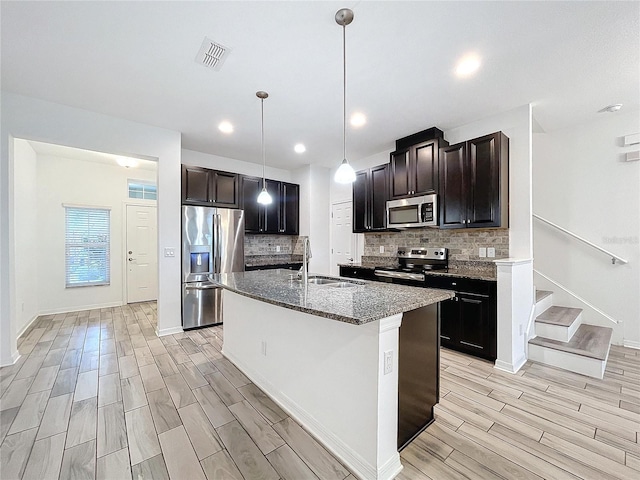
pixel 87 246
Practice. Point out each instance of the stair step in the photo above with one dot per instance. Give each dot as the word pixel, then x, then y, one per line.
pixel 559 316
pixel 588 341
pixel 542 294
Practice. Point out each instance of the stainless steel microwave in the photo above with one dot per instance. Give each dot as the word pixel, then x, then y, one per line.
pixel 413 212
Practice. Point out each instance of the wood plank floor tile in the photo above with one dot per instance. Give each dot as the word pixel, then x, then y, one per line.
pixel 45 460
pixel 109 390
pixel 179 390
pixel 179 455
pixel 56 416
pixel 219 466
pixel 65 382
pixel 108 364
pixel 16 393
pixel 133 394
pixel 153 468
pixel 202 363
pixel 128 366
pixel 44 379
pixel 433 445
pixel 114 466
pixel 469 467
pixel 193 377
pixel 324 465
pixel 229 370
pixel 30 413
pixel 262 403
pixel 71 359
pixel 86 385
pixel 428 464
pixel 30 368
pixel 54 357
pixel 90 361
pixel 142 436
pixel 409 472
pixel 214 408
pixel 6 419
pixel 201 432
pixel 260 431
pixel 166 365
pixel 15 451
pixel 164 413
pixel 79 462
pixel 151 378
pixel 289 465
pixel 224 388
pixel 83 422
pixel 250 461
pixel 112 432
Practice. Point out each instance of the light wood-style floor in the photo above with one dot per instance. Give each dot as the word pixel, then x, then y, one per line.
pixel 97 395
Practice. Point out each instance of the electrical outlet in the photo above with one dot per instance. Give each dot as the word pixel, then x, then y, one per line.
pixel 491 252
pixel 388 362
pixel 381 249
pixel 169 252
pixel 482 252
pixel 277 248
pixel 264 348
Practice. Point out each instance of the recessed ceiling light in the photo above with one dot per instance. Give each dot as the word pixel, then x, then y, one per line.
pixel 358 119
pixel 225 127
pixel 300 148
pixel 468 65
pixel 611 108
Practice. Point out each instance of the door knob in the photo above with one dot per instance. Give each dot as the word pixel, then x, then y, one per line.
pixel 130 259
pixel 130 252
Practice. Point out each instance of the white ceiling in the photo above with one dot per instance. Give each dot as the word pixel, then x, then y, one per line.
pixel 135 60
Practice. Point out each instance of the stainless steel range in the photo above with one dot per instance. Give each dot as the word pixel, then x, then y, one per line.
pixel 413 262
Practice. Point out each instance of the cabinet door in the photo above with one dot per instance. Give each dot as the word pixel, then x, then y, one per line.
pixel 253 212
pixel 272 211
pixel 400 172
pixel 290 209
pixel 361 202
pixel 483 201
pixel 426 167
pixel 474 331
pixel 225 187
pixel 453 210
pixel 379 179
pixel 196 185
pixel 449 313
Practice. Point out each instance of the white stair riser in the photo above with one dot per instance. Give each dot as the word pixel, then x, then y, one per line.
pixel 542 305
pixel 568 361
pixel 556 332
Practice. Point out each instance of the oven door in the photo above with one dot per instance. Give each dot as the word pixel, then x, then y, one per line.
pixel 400 278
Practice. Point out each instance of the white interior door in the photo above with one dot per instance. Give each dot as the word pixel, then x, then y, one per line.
pixel 342 236
pixel 142 253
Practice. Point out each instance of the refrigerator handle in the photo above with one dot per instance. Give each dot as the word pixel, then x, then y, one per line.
pixel 218 252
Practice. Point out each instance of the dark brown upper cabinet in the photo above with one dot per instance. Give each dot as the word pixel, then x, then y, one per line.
pixel 370 195
pixel 282 216
pixel 474 183
pixel 203 186
pixel 414 170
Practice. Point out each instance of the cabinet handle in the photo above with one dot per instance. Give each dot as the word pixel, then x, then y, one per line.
pixel 453 283
pixel 472 345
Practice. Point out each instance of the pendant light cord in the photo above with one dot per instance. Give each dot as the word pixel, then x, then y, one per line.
pixel 344 92
pixel 262 140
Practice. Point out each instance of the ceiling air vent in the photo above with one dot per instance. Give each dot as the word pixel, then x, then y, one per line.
pixel 212 54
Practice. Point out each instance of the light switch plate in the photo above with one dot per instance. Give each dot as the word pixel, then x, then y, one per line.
pixel 169 252
pixel 277 248
pixel 381 249
pixel 482 252
pixel 491 252
pixel 388 362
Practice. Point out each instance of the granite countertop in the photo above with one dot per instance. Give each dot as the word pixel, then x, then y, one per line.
pixel 364 303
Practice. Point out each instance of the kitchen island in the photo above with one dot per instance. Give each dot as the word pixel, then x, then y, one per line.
pixel 328 353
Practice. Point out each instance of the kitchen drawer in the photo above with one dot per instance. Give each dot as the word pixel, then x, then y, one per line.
pixel 480 287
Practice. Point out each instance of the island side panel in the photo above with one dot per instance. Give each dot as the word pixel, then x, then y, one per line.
pixel 327 374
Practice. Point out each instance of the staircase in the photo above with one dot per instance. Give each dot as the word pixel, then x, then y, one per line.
pixel 563 341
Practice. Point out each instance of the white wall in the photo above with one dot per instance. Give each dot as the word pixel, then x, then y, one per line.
pixel 64 180
pixel 582 184
pixel 28 235
pixel 32 119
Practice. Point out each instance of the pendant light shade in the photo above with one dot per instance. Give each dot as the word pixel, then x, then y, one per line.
pixel 345 173
pixel 264 198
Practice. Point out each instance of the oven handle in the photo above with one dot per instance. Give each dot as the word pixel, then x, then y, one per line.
pixel 401 275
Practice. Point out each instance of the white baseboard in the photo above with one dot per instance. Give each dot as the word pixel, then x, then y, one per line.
pixel 591 367
pixel 631 344
pixel 26 327
pixel 14 358
pixel 352 460
pixel 169 331
pixel 510 367
pixel 80 308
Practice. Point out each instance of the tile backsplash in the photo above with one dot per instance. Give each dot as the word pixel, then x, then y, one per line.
pixel 462 244
pixel 268 244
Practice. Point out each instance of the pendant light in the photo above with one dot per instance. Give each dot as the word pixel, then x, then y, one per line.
pixel 345 173
pixel 264 198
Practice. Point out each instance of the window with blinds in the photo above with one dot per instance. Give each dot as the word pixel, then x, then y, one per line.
pixel 87 246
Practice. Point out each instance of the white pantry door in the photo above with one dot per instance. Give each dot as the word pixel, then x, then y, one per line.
pixel 142 253
pixel 342 236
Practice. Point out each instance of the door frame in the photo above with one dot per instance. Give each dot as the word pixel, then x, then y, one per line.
pixel 137 202
pixel 357 239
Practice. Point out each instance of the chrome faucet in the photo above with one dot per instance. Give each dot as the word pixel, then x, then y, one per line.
pixel 303 273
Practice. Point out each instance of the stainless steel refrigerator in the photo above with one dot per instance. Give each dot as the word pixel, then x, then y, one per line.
pixel 212 242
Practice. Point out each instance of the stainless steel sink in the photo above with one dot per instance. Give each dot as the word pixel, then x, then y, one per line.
pixel 343 284
pixel 323 281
